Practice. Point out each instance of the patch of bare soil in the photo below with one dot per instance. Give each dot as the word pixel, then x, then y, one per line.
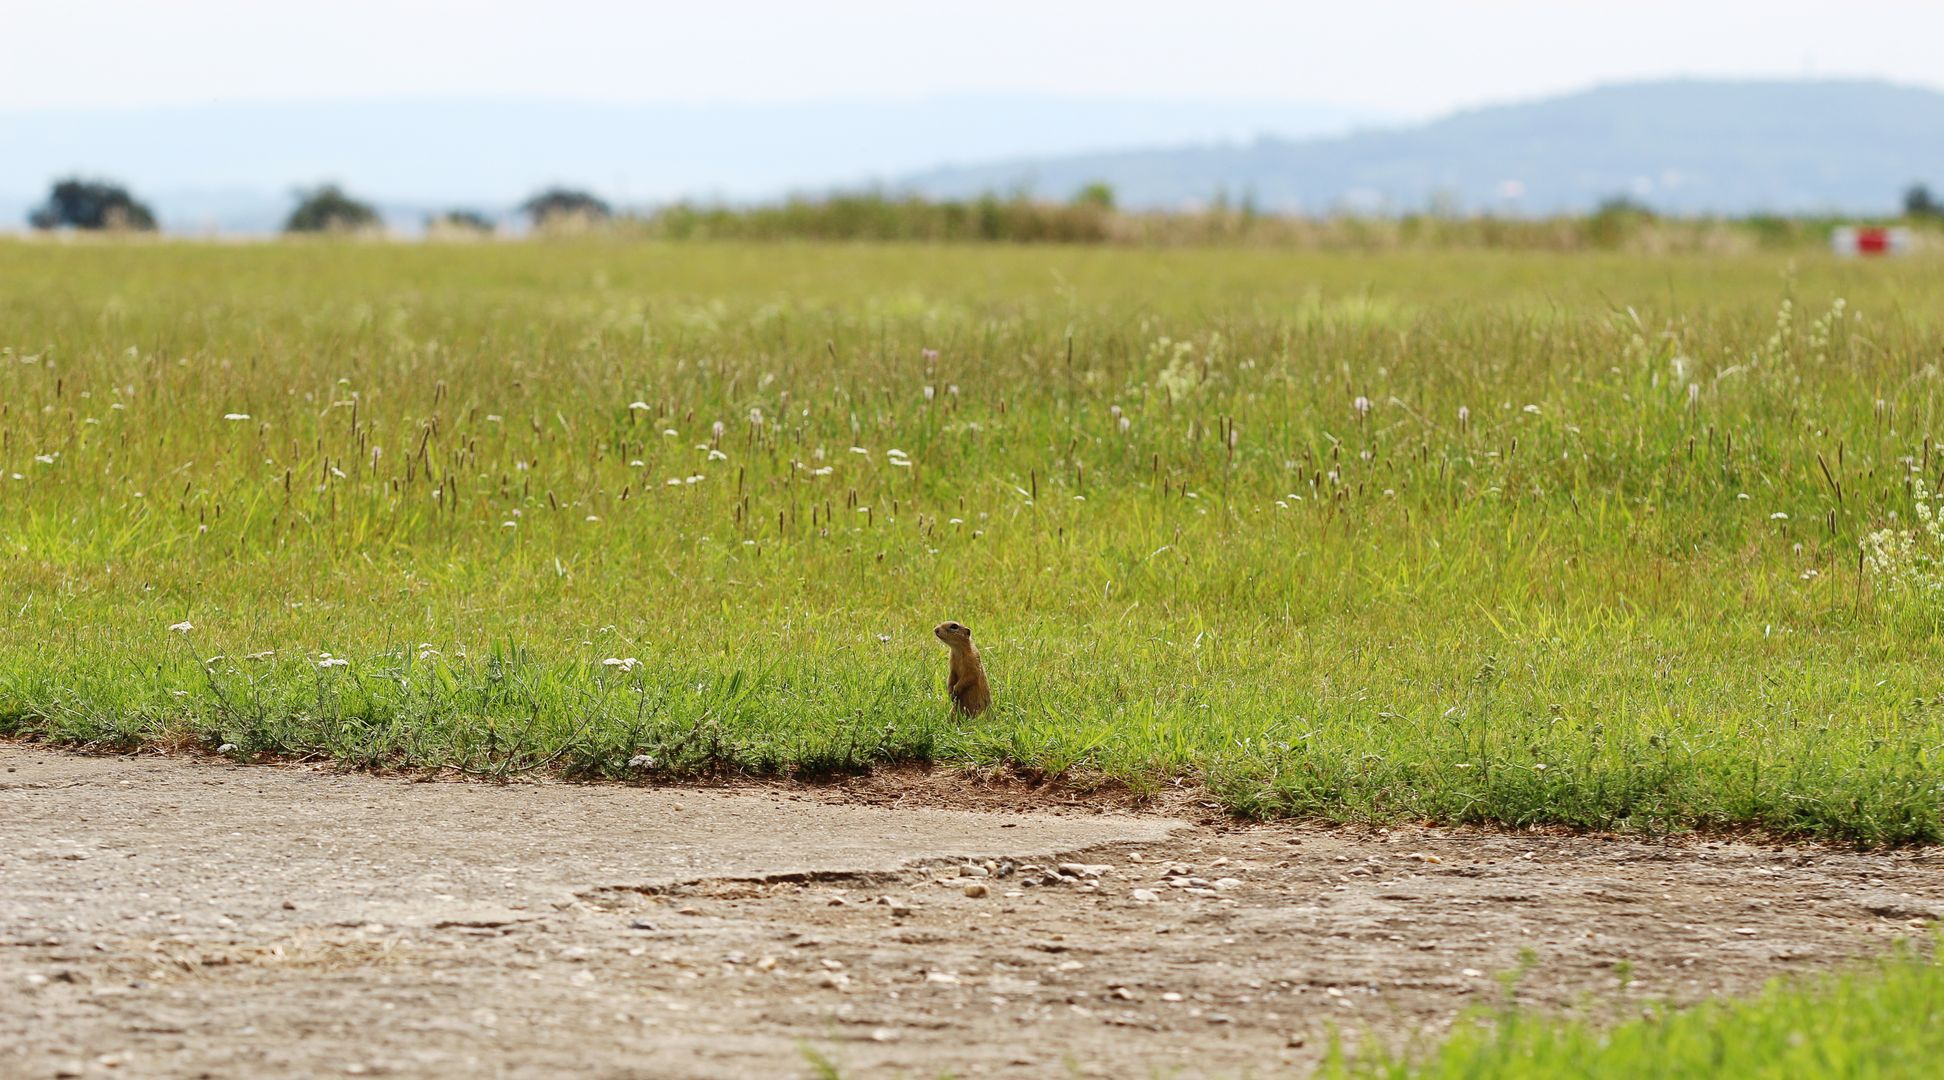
pixel 165 917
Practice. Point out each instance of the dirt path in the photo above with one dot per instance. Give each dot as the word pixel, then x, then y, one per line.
pixel 168 917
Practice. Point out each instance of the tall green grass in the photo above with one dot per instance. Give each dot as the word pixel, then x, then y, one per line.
pixel 1586 553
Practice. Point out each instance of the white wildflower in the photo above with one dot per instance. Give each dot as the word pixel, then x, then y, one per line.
pixel 622 663
pixel 1902 560
pixel 236 416
pixel 182 627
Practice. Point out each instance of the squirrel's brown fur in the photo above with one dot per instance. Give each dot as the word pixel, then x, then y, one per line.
pixel 971 694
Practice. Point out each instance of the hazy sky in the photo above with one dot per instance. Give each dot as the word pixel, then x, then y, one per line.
pixel 1403 56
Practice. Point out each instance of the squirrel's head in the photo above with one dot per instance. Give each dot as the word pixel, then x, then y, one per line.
pixel 952 633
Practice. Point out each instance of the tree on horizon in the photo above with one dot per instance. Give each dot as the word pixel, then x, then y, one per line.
pixel 75 203
pixel 1919 202
pixel 327 208
pixel 560 203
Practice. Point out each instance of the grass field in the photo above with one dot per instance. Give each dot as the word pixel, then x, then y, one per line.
pixel 1883 1020
pixel 1459 536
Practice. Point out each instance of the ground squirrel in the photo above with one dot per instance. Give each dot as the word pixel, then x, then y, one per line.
pixel 971 694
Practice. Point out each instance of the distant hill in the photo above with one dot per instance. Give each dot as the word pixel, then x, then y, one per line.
pixel 232 166
pixel 1682 146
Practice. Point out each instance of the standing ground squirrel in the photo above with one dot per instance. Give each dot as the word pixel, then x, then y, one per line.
pixel 970 691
